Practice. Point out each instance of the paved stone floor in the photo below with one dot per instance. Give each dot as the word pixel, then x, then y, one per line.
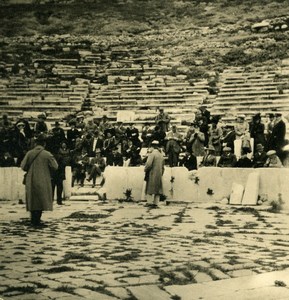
pixel 112 250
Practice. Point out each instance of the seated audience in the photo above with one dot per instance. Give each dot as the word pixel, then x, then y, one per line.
pixel 97 166
pixel 273 161
pixel 244 161
pixel 6 160
pixel 227 159
pixel 260 157
pixel 209 159
pixel 114 158
pixel 189 161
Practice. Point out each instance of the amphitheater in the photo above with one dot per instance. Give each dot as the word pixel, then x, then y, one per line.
pixel 232 67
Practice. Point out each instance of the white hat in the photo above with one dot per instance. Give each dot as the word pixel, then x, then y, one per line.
pixel 271 152
pixel 20 124
pixel 155 142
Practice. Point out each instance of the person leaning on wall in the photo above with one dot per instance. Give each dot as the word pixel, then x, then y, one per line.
pixel 38 163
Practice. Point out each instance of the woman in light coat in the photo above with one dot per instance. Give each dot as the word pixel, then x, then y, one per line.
pixel 38 163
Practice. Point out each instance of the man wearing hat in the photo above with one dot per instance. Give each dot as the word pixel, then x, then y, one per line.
pixel 241 126
pixel 38 163
pixel 205 114
pixel 227 159
pixel 97 164
pixel 72 135
pixel 209 159
pixel 257 130
pixel 80 124
pixel 189 161
pixel 228 137
pixel 277 137
pixel 20 142
pixel 273 161
pixel 114 158
pixel 154 169
pixel 58 136
pixel 41 126
pixel 163 120
pixel 244 161
pixel 260 157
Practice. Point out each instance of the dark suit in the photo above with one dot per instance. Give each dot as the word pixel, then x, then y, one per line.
pixel 6 162
pixel 72 135
pixel 229 139
pixel 114 159
pixel 277 138
pixel 91 145
pixel 259 159
pixel 190 162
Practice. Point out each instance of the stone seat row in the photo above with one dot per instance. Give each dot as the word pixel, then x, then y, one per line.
pixel 249 101
pixel 256 84
pixel 46 107
pixel 249 88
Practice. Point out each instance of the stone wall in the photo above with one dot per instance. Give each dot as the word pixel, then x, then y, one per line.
pixel 11 187
pixel 182 185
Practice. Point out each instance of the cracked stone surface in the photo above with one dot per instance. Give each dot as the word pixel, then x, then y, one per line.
pixel 110 250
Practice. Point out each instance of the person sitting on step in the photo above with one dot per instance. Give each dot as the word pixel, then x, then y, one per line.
pixel 97 167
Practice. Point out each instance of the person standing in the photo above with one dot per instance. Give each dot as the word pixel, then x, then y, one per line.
pixel 38 163
pixel 154 169
pixel 173 147
pixel 162 120
pixel 277 138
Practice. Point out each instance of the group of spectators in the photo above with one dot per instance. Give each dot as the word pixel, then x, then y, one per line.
pixel 89 145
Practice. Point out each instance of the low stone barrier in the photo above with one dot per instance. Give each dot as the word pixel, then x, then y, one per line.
pixel 11 187
pixel 208 184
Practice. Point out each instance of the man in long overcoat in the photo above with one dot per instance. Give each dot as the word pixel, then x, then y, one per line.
pixel 38 163
pixel 277 138
pixel 154 169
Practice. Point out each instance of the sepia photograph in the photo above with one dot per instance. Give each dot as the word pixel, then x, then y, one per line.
pixel 144 150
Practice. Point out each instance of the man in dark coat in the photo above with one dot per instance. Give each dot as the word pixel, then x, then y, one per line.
pixel 58 136
pixel 209 159
pixel 20 141
pixel 6 160
pixel 38 164
pixel 114 158
pixel 163 120
pixel 189 161
pixel 228 137
pixel 277 138
pixel 244 161
pixel 260 157
pixel 72 135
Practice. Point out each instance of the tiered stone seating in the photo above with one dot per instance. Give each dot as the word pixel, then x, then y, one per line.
pixel 250 92
pixel 17 97
pixel 144 91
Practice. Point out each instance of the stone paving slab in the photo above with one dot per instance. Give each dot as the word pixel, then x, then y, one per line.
pixel 261 286
pixel 149 292
pixel 120 250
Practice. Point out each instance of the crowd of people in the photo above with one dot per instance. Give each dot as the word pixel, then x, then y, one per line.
pixel 88 146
